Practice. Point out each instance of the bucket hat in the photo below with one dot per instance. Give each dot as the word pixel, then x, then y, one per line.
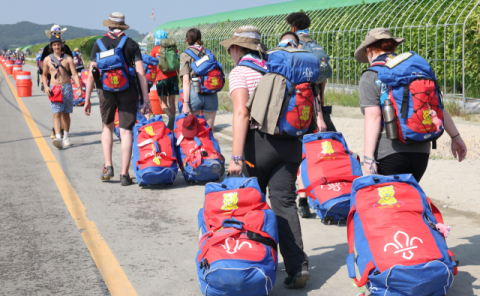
pixel 248 37
pixel 116 20
pixel 55 30
pixel 159 35
pixel 372 37
pixel 190 126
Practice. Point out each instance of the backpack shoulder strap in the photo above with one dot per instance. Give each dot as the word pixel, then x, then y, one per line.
pixel 100 45
pixel 207 51
pixel 192 54
pixel 56 61
pixel 253 66
pixel 122 41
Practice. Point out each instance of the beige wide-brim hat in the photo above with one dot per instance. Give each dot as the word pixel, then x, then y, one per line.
pixel 372 37
pixel 248 37
pixel 116 20
pixel 55 30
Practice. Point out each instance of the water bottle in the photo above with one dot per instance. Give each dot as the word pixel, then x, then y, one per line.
pixel 389 119
pixel 196 83
pixel 96 78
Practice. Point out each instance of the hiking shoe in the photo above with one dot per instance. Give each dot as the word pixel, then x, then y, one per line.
pixel 53 133
pixel 298 280
pixel 57 143
pixel 125 180
pixel 107 173
pixel 304 208
pixel 66 142
pixel 171 122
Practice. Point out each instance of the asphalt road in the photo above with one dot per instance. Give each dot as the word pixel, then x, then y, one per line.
pixel 151 232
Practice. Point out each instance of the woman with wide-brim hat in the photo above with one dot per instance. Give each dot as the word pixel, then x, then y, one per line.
pixel 272 159
pixel 382 155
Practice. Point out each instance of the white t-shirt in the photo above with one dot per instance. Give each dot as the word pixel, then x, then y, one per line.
pixel 244 77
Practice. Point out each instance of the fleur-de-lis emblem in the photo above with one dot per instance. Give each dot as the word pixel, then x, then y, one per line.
pixel 235 247
pixel 403 249
pixel 308 73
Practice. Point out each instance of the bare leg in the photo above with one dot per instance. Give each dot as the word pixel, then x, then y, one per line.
pixel 107 143
pixel 127 144
pixel 171 104
pixel 210 118
pixel 57 122
pixel 66 122
pixel 164 106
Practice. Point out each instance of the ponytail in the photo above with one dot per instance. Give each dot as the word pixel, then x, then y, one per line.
pixel 194 36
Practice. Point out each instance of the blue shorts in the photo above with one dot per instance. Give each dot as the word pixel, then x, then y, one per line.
pixel 204 102
pixel 67 105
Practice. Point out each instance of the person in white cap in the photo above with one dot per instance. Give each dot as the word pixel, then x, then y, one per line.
pixel 126 101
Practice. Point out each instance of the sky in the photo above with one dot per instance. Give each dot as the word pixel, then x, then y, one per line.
pixel 90 13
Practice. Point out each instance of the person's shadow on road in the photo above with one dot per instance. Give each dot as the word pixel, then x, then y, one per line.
pixel 467 254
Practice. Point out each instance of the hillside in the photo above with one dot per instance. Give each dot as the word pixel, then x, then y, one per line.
pixel 27 33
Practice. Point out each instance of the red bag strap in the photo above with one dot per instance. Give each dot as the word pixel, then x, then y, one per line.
pixel 324 181
pixel 206 247
pixel 363 280
pixel 435 211
pixel 455 268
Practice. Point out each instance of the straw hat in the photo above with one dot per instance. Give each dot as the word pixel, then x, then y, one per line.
pixel 116 20
pixel 248 37
pixel 372 37
pixel 56 30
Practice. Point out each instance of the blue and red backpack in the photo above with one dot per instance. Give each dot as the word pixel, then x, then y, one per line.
pixel 154 161
pixel 410 84
pixel 113 69
pixel 209 70
pixel 328 170
pixel 301 69
pixel 238 240
pixel 200 157
pixel 394 241
pixel 78 101
pixel 150 66
pixel 18 62
pixel 116 123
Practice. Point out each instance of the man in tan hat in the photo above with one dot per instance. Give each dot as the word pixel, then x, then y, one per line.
pixel 126 101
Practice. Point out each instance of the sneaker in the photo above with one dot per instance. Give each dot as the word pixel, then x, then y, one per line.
pixel 125 180
pixel 304 208
pixel 66 142
pixel 53 133
pixel 298 280
pixel 107 173
pixel 57 143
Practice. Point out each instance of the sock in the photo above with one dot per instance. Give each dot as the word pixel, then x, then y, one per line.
pixel 65 134
pixel 58 136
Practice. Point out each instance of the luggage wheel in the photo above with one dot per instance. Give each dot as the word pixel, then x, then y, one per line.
pixel 168 184
pixel 328 220
pixel 190 182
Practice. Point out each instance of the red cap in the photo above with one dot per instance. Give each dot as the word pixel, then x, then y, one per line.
pixel 190 126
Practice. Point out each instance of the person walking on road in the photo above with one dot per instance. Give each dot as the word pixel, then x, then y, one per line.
pixel 166 82
pixel 195 102
pixel 382 155
pixel 60 67
pixel 78 60
pixel 275 158
pixel 125 100
pixel 299 23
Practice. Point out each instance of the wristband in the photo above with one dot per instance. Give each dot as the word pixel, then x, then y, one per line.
pixel 236 159
pixel 455 136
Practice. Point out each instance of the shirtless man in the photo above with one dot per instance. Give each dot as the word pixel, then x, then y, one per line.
pixel 60 91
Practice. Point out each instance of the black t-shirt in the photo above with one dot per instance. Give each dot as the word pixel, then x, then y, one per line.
pixel 131 50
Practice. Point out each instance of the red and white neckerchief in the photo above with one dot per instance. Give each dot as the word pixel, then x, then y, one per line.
pixel 115 34
pixel 57 67
pixel 197 47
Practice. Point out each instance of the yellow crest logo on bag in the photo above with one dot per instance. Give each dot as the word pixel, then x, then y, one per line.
pixel 230 201
pixel 114 80
pixel 305 113
pixel 427 120
pixel 214 81
pixel 149 130
pixel 387 198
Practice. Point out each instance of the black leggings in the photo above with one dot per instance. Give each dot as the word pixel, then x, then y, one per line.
pixel 414 163
pixel 276 161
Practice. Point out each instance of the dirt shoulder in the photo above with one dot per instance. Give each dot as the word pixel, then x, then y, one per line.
pixel 452 185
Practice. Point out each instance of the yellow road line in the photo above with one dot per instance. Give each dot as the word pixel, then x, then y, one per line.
pixel 111 271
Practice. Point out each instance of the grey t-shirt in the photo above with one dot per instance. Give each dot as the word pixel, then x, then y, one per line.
pixel 370 91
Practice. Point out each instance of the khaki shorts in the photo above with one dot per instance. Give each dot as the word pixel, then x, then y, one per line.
pixel 127 103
